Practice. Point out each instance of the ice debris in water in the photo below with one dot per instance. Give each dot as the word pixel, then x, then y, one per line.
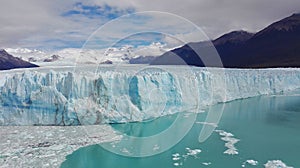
pixel 178 164
pixel 206 163
pixel 176 157
pixel 230 142
pixel 208 123
pixel 276 164
pixel 190 152
pixel 250 162
pixel 48 146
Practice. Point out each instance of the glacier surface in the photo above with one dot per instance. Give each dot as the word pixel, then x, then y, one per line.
pixel 111 94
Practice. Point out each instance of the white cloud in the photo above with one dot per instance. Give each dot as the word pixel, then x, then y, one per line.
pixel 39 23
pixel 166 24
pixel 221 16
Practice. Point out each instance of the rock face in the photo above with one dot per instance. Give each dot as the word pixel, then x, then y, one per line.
pixel 52 58
pixel 278 45
pixel 8 61
pixel 107 62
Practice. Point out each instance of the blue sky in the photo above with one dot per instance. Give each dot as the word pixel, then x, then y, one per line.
pixel 56 24
pixel 126 26
pixel 96 11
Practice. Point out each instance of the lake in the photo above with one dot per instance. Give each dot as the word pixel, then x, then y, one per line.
pixel 253 132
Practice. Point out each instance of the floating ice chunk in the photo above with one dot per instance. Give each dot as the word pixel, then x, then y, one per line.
pixel 231 151
pixel 190 152
pixel 176 158
pixel 276 164
pixel 230 142
pixel 193 152
pixel 207 123
pixel 176 164
pixel 176 155
pixel 206 163
pixel 250 162
pixel 224 133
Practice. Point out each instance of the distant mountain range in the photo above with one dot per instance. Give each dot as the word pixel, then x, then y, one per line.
pixel 278 45
pixel 70 56
pixel 8 61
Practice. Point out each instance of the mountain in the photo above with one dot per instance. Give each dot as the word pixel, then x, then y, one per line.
pixel 278 45
pixel 235 37
pixel 228 44
pixel 52 58
pixel 8 61
pixel 184 55
pixel 142 60
pixel 70 56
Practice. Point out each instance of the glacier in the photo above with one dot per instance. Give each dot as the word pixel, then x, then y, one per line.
pixel 87 95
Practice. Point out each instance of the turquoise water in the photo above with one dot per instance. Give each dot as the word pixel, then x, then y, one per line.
pixel 265 128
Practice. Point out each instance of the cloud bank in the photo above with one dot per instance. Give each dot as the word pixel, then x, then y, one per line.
pixel 57 24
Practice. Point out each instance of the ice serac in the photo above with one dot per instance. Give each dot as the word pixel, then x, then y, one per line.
pixel 69 97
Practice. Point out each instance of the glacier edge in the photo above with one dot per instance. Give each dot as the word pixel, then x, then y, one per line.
pixel 67 97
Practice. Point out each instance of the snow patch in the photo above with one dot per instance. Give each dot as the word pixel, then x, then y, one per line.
pixel 72 56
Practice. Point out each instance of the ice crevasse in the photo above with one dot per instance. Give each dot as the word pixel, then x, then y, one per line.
pixel 72 97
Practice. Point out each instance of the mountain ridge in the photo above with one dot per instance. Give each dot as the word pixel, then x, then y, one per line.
pixel 8 61
pixel 277 45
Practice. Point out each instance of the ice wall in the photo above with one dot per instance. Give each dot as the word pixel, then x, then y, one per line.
pixel 69 97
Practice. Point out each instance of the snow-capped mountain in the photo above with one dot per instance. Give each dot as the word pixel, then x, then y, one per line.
pixel 68 56
pixel 72 56
pixel 27 54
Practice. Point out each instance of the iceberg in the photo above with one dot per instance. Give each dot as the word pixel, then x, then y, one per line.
pixel 116 94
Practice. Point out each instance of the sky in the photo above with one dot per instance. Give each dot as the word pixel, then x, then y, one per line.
pixel 57 24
